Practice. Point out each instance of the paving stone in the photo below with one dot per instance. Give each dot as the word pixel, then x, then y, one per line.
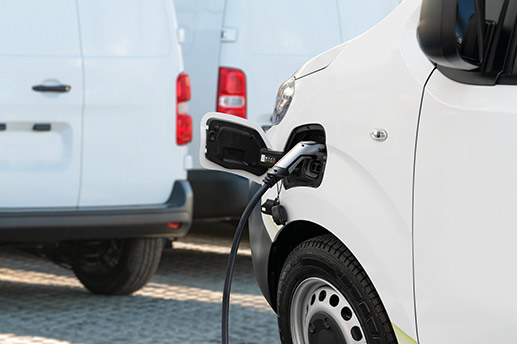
pixel 45 304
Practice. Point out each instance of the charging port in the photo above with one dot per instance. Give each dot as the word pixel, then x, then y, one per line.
pixel 310 172
pixel 314 169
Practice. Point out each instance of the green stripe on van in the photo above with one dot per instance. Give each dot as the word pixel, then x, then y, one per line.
pixel 402 337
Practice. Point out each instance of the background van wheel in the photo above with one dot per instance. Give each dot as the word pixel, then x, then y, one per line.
pixel 117 267
pixel 325 296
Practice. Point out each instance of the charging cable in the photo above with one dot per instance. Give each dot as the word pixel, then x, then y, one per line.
pixel 283 168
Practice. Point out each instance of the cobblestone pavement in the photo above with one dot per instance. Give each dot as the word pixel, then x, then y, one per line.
pixel 45 304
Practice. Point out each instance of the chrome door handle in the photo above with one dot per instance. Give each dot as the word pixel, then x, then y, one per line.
pixel 53 88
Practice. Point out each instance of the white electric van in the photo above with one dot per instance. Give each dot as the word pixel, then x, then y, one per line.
pixel 237 52
pixel 405 232
pixel 92 132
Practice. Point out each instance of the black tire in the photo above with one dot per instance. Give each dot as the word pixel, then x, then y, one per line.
pixel 323 284
pixel 118 267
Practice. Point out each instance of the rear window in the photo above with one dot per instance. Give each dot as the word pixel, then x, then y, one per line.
pixel 124 28
pixel 294 27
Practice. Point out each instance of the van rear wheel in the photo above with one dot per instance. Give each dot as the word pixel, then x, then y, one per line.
pixel 118 266
pixel 325 296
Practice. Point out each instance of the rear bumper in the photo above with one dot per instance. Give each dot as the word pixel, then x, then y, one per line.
pixel 50 224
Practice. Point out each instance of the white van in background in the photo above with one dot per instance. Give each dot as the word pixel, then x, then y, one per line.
pixel 237 52
pixel 92 134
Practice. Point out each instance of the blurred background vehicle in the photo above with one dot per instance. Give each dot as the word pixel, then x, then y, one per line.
pixel 93 130
pixel 237 52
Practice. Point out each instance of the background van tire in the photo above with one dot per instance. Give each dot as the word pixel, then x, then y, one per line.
pixel 119 266
pixel 323 286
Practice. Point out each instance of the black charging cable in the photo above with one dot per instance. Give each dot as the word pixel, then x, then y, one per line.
pixel 271 180
pixel 282 169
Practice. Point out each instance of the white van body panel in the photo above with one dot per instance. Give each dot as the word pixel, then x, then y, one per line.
pixel 465 197
pixel 131 65
pixel 364 177
pixel 40 168
pixel 319 62
pixel 115 130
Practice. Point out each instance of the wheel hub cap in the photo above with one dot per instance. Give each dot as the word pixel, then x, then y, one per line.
pixel 320 314
pixel 324 330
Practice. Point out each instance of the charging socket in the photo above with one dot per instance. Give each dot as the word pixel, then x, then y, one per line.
pixel 310 172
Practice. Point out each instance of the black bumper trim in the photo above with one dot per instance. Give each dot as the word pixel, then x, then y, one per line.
pixel 261 244
pixel 23 224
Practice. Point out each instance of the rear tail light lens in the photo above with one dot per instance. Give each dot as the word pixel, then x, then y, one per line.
pixel 183 129
pixel 183 120
pixel 231 93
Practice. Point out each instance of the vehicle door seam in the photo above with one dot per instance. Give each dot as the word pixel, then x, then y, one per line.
pixel 413 203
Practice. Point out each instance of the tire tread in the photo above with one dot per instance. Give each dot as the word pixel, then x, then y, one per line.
pixel 137 268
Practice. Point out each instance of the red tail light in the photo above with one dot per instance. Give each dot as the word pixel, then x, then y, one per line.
pixel 231 93
pixel 183 121
pixel 174 225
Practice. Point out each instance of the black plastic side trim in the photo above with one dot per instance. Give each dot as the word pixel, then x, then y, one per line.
pixel 53 234
pixel 42 127
pixel 25 224
pixel 260 247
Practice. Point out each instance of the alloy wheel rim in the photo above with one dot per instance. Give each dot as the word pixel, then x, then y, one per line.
pixel 320 313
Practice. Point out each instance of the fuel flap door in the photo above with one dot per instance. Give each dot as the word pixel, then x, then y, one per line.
pixel 236 145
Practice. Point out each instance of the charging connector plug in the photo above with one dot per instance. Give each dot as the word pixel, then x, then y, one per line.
pixel 301 151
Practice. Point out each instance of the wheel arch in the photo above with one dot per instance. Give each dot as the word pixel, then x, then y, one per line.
pixel 291 236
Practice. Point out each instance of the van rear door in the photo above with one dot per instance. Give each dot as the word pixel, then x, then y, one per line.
pixel 41 92
pixel 132 61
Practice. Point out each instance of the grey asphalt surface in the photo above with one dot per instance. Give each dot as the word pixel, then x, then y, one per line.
pixel 41 302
